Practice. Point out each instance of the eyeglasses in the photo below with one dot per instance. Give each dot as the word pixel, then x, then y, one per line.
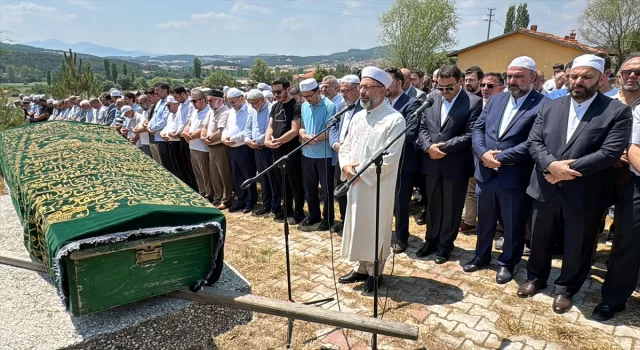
pixel 445 88
pixel 490 86
pixel 627 73
pixel 307 96
pixel 344 91
pixel 367 88
pixel 196 100
pixel 277 92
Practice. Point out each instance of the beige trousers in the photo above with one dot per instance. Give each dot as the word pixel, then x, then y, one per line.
pixel 201 170
pixel 470 206
pixel 368 267
pixel 155 153
pixel 220 172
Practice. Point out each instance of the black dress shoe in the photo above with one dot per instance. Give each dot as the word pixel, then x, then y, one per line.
pixel 353 277
pixel 247 210
pixel 279 217
pixel 324 226
pixel 400 247
pixel 369 285
pixel 262 211
pixel 338 227
pixel 441 259
pixel 421 220
pixel 474 265
pixel 504 274
pixel 425 250
pixel 604 312
pixel 562 304
pixel 235 208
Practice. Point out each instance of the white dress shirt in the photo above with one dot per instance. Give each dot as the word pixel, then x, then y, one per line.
pixel 446 107
pixel 171 126
pixel 612 93
pixel 510 111
pixel 635 131
pixel 576 112
pixel 345 123
pixel 338 100
pixel 197 123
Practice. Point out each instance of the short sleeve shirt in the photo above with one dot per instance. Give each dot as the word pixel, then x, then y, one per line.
pixel 282 115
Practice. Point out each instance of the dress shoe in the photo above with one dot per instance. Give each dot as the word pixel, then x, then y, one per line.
pixel 562 304
pixel 296 220
pixel 369 285
pixel 247 210
pixel 353 277
pixel 441 259
pixel 504 274
pixel 216 203
pixel 338 227
pixel 323 226
pixel 474 265
pixel 262 211
pixel 425 250
pixel 400 247
pixel 466 228
pixel 308 225
pixel 278 217
pixel 235 208
pixel 422 219
pixel 529 289
pixel 604 312
pixel 499 243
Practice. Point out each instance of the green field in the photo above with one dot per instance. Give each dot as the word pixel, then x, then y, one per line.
pixel 22 87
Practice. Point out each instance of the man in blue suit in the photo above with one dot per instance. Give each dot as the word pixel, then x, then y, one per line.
pixel 499 140
pixel 349 88
pixel 406 105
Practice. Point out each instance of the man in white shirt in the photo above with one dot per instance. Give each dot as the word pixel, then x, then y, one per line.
pixel 550 85
pixel 198 150
pixel 170 136
pixel 329 89
pixel 185 111
pixel 606 86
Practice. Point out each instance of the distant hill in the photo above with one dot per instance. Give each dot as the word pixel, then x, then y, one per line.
pixel 87 48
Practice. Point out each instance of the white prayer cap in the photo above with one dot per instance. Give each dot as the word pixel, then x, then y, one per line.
pixel 435 72
pixel 524 62
pixel 42 97
pixel 377 74
pixel 205 90
pixel 254 94
pixel 264 86
pixel 267 94
pixel 351 79
pixel 225 89
pixel 170 99
pixel 233 92
pixel 50 101
pixel 308 84
pixel 26 99
pixel 589 60
pixel 115 93
pixel 126 109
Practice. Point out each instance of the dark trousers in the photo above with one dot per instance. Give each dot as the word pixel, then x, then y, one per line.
pixel 512 206
pixel 186 167
pixel 295 187
pixel 578 230
pixel 268 182
pixel 243 167
pixel 174 159
pixel 622 275
pixel 342 200
pixel 315 171
pixel 404 189
pixel 163 152
pixel 444 210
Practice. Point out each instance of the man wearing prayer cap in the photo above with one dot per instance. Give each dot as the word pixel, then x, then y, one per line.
pixel 268 95
pixel 264 87
pixel 499 140
pixel 316 156
pixel 447 160
pixel 575 142
pixel 369 131
pixel 168 134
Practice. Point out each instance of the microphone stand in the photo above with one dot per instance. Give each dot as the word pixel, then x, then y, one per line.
pixel 282 164
pixel 342 190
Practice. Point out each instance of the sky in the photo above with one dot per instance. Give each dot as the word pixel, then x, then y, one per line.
pixel 250 27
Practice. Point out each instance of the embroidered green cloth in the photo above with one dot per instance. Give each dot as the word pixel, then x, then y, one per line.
pixel 75 184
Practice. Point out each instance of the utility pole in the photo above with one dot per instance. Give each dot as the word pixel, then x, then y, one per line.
pixel 489 20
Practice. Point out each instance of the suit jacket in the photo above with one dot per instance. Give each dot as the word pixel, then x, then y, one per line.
pixel 417 93
pixel 407 106
pixel 516 163
pixel 455 132
pixel 334 132
pixel 596 145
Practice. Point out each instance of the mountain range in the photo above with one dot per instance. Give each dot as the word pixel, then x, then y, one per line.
pixel 87 48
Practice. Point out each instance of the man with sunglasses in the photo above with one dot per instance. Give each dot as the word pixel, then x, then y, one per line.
pixel 445 138
pixel 504 168
pixel 492 84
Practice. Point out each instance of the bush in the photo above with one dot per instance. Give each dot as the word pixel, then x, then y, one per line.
pixel 10 115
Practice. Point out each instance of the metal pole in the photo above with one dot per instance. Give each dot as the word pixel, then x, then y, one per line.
pixel 376 259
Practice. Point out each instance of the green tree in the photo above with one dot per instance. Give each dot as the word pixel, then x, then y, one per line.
pixel 124 69
pixel 114 72
pixel 260 72
pixel 107 68
pixel 415 29
pixel 197 68
pixel 74 79
pixel 125 82
pixel 320 73
pixel 613 25
pixel 9 115
pixel 140 83
pixel 522 16
pixel 107 85
pixel 509 22
pixel 436 61
pixel 12 73
pixel 219 78
pixel 49 77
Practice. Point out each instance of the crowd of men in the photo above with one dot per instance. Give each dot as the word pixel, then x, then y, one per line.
pixel 537 162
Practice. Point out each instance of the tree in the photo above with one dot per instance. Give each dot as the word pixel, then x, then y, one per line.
pixel 415 29
pixel 140 83
pixel 522 16
pixel 107 68
pixel 125 81
pixel 219 78
pixel 612 25
pixel 114 72
pixel 509 22
pixel 124 69
pixel 74 79
pixel 49 77
pixel 197 68
pixel 320 73
pixel 260 72
pixel 436 61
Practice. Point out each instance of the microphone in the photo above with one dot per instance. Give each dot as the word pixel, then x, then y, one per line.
pixel 346 109
pixel 426 104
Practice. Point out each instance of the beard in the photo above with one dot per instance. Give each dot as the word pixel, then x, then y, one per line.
pixel 586 94
pixel 372 101
pixel 517 92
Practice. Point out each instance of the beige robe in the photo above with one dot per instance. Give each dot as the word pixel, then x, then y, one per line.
pixel 369 131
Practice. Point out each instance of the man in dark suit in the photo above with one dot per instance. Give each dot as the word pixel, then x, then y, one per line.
pixel 445 138
pixel 406 105
pixel 504 168
pixel 349 85
pixel 574 142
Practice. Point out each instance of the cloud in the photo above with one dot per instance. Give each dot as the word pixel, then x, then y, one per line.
pixel 83 3
pixel 346 13
pixel 17 13
pixel 221 16
pixel 290 23
pixel 241 7
pixel 175 25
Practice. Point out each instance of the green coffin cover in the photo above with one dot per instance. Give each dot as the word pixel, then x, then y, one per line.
pixel 76 185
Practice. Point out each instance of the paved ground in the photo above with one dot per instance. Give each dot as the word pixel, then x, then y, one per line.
pixel 454 310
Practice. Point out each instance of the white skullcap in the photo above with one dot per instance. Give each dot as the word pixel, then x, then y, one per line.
pixel 233 92
pixel 50 101
pixel 351 79
pixel 126 109
pixel 115 93
pixel 267 94
pixel 225 89
pixel 524 62
pixel 254 94
pixel 308 84
pixel 26 100
pixel 42 97
pixel 589 60
pixel 377 74
pixel 171 99
pixel 84 102
pixel 264 86
pixel 435 72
